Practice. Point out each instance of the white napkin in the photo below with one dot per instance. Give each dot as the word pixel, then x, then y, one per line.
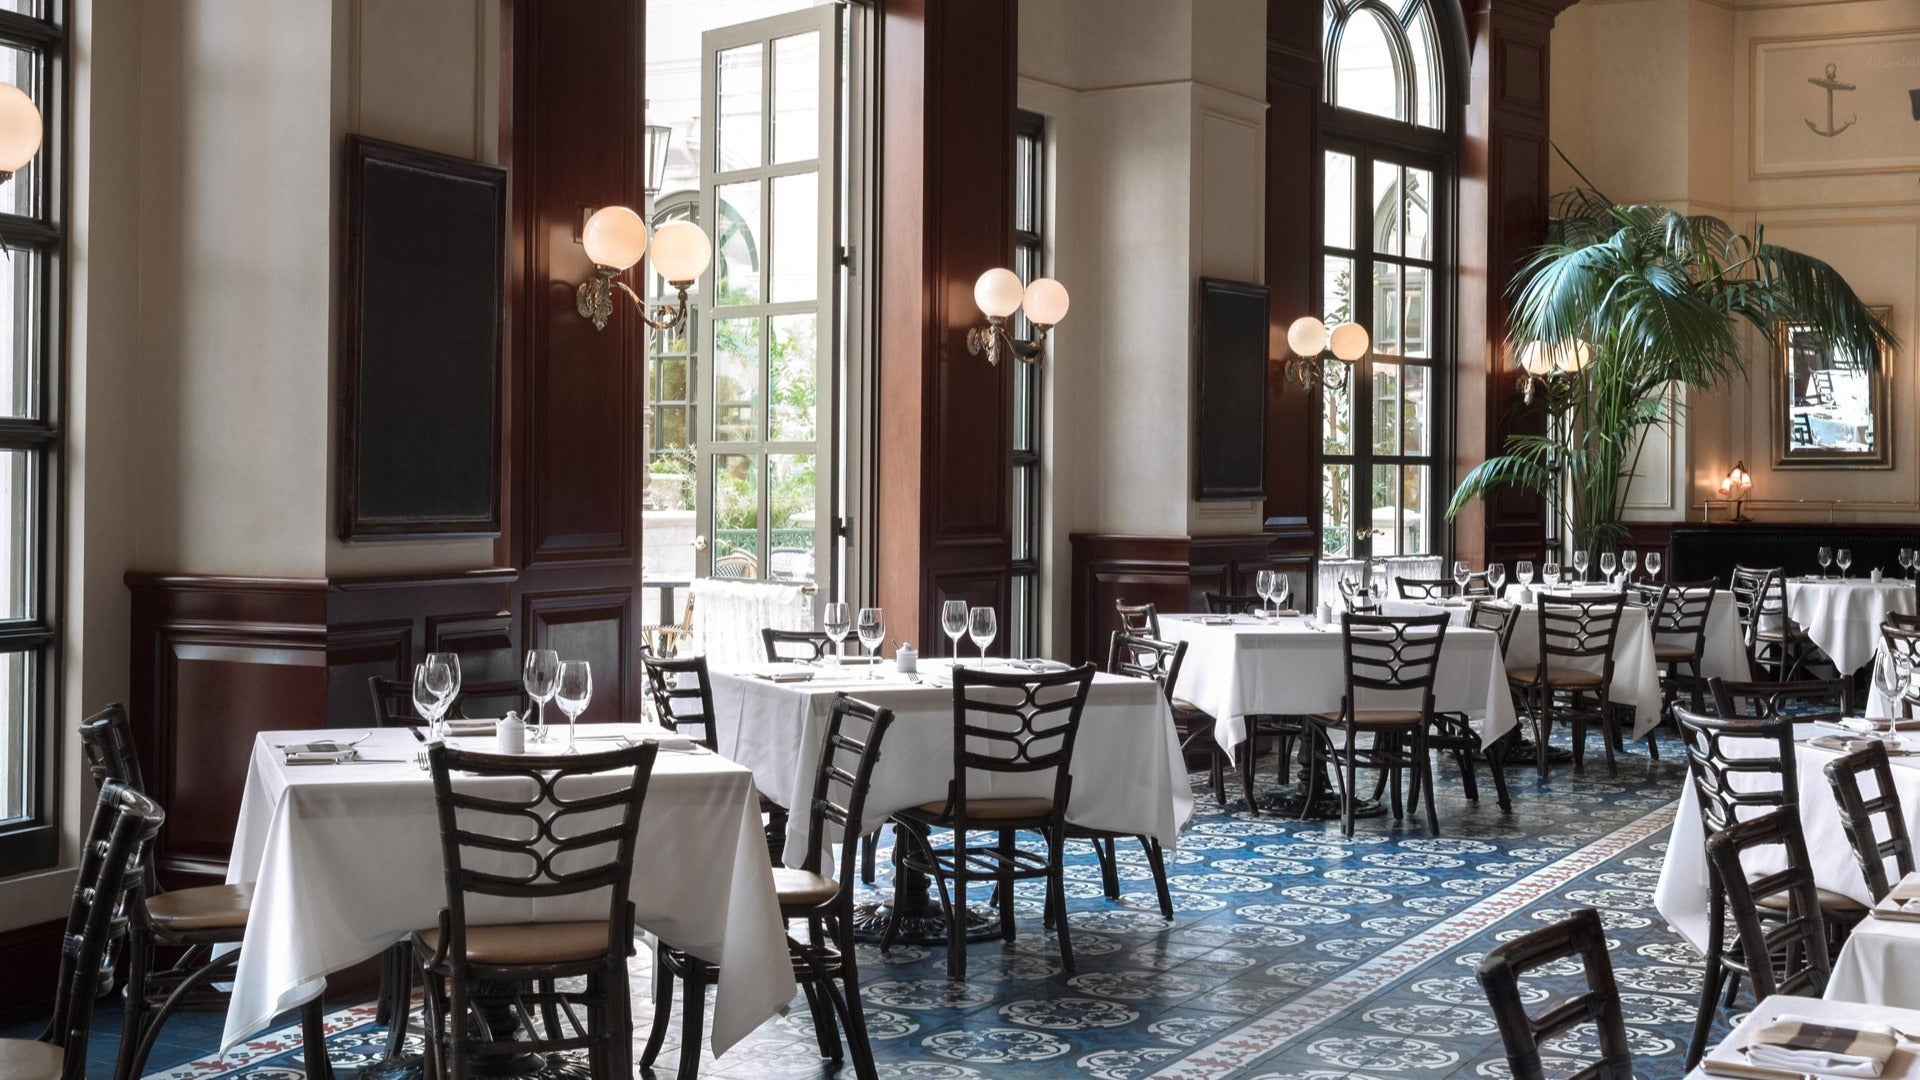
pixel 318 753
pixel 668 739
pixel 466 727
pixel 1872 1045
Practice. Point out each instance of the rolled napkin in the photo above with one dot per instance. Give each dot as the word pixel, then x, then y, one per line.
pixel 1896 907
pixel 467 727
pixel 666 737
pixel 1874 724
pixel 318 753
pixel 1800 1044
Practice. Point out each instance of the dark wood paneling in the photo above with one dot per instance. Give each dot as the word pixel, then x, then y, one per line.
pixel 593 627
pixel 384 625
pixel 33 954
pixel 215 661
pixel 1697 552
pixel 1292 224
pixel 1171 572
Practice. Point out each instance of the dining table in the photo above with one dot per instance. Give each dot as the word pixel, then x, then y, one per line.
pixel 345 860
pixel 1729 1057
pixel 1843 615
pixel 1880 962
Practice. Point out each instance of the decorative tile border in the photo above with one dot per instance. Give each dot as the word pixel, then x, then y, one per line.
pixel 1244 1045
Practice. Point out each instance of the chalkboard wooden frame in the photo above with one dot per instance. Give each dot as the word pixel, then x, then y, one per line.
pixel 421 312
pixel 1230 391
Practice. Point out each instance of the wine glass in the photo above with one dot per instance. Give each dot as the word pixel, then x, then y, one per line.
pixel 1906 559
pixel 1263 587
pixel 540 675
pixel 873 631
pixel 1496 577
pixel 430 696
pixel 837 620
pixel 1653 566
pixel 953 619
pixel 1282 591
pixel 1825 558
pixel 1461 572
pixel 1891 676
pixel 1629 561
pixel 1550 573
pixel 1524 571
pixel 1609 566
pixel 981 627
pixel 450 661
pixel 1580 564
pixel 1844 560
pixel 573 690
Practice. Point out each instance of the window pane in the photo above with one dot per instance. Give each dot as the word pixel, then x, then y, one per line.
pixel 1024 478
pixel 739 246
pixel 736 379
pixel 1416 409
pixel 736 517
pixel 17 721
pixel 19 525
pixel 1386 208
pixel 20 331
pixel 737 85
pixel 1336 418
pixel 26 70
pixel 793 403
pixel 1415 488
pixel 1026 389
pixel 1336 290
pixel 796 237
pixel 1386 408
pixel 673 380
pixel 1426 85
pixel 1364 75
pixel 1386 308
pixel 796 97
pixel 1386 510
pixel 1336 509
pixel 1416 319
pixel 790 517
pixel 1026 184
pixel 1419 202
pixel 1339 200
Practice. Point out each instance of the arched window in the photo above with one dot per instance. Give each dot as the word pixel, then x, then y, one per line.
pixel 1389 137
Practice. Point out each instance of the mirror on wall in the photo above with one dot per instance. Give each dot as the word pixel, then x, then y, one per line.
pixel 1829 409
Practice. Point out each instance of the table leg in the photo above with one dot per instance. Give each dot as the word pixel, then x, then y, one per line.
pixel 921 920
pixel 1289 802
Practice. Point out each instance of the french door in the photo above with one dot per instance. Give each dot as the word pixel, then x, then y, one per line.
pixel 769 189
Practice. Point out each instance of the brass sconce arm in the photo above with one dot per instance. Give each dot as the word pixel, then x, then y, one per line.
pixel 594 300
pixel 993 336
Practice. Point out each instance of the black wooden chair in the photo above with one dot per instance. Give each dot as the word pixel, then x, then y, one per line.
pixel 1139 658
pixel 393 701
pixel 1398 658
pixel 1858 809
pixel 1138 619
pixel 825 963
pixel 803 645
pixel 1678 619
pixel 681 689
pixel 1360 596
pixel 1452 732
pixel 1579 936
pixel 1425 588
pixel 190 924
pixel 1776 915
pixel 1576 660
pixel 1004 725
pixel 1285 730
pixel 1776 645
pixel 1233 603
pixel 573 837
pixel 116 855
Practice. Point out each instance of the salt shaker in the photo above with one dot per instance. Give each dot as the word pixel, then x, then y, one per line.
pixel 510 735
pixel 905 659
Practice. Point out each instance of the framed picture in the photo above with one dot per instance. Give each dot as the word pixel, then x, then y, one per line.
pixel 1230 399
pixel 1829 410
pixel 1836 103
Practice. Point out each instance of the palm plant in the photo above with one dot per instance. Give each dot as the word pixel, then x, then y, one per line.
pixel 1656 296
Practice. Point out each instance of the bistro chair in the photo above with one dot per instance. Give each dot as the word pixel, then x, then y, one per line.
pixel 1803 701
pixel 116 855
pixel 1857 811
pixel 1453 733
pixel 1776 645
pixel 1233 603
pixel 824 964
pixel 393 701
pixel 1005 726
pixel 801 645
pixel 1678 619
pixel 1777 915
pixel 1138 658
pixel 1392 656
pixel 191 923
pixel 1361 599
pixel 681 689
pixel 1138 619
pixel 1425 588
pixel 1578 936
pixel 1498 616
pixel 1576 660
pixel 560 835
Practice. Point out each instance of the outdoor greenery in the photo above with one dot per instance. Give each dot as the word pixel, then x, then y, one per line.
pixel 1658 296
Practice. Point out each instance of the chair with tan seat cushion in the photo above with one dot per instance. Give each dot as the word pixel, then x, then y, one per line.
pixel 1859 809
pixel 116 853
pixel 681 690
pixel 825 963
pixel 1395 659
pixel 1573 680
pixel 1677 618
pixel 1136 656
pixel 1777 646
pixel 563 830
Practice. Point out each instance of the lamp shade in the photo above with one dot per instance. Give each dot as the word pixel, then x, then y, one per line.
pixel 998 292
pixel 681 251
pixel 19 128
pixel 1572 357
pixel 1738 482
pixel 1349 341
pixel 1046 302
pixel 1535 360
pixel 614 237
pixel 1307 336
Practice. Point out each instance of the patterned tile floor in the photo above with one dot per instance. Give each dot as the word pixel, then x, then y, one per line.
pixel 1294 954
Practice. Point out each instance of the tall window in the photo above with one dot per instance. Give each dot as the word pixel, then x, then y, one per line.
pixel 1388 170
pixel 1029 246
pixel 31 54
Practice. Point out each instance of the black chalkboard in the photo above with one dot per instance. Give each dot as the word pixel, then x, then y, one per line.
pixel 422 285
pixel 1230 394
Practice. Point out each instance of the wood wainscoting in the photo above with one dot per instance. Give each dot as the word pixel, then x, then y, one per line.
pixel 1171 572
pixel 385 625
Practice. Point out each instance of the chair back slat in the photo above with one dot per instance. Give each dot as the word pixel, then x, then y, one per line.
pixel 1411 588
pixel 794 644
pixel 1141 619
pixel 1858 810
pixel 682 694
pixel 1013 724
pixel 1359 596
pixel 849 752
pixel 1138 657
pixel 106 738
pixel 1740 767
pixel 1498 616
pixel 1575 629
pixel 1760 596
pixel 1680 611
pixel 1580 936
pixel 1392 653
pixel 114 858
pixel 1796 943
pixel 1802 701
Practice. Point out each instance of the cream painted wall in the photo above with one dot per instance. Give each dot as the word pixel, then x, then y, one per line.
pixel 1652 99
pixel 1157 122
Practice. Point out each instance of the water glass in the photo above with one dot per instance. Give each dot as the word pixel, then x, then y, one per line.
pixel 1550 573
pixel 540 675
pixel 1461 572
pixel 873 631
pixel 1580 565
pixel 837 620
pixel 1496 577
pixel 431 696
pixel 1524 571
pixel 981 627
pixel 573 690
pixel 1263 587
pixel 450 661
pixel 1844 560
pixel 953 620
pixel 1653 566
pixel 1825 558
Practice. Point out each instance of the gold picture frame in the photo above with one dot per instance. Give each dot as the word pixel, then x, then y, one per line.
pixel 1828 413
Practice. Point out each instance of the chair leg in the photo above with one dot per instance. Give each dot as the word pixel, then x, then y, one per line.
pixel 1005 882
pixel 1313 759
pixel 1497 766
pixel 1249 754
pixel 693 1007
pixel 139 956
pixel 1543 730
pixel 1217 770
pixel 398 993
pixel 858 1045
pixel 1157 861
pixel 1103 850
pixel 869 856
pixel 1610 723
pixel 313 1040
pixel 826 1034
pixel 1390 746
pixel 1709 990
pixel 1057 884
pixel 956 906
pixel 1352 777
pixel 619 999
pixel 1423 775
pixel 662 1007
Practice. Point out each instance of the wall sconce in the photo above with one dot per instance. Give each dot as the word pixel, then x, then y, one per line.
pixel 19 130
pixel 1736 485
pixel 659 137
pixel 1541 363
pixel 615 238
pixel 1312 342
pixel 999 295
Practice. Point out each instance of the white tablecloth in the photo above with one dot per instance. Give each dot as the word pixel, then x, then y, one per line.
pixel 1880 965
pixel 1902 1066
pixel 1844 617
pixel 345 861
pixel 1681 895
pixel 1290 667
pixel 1128 775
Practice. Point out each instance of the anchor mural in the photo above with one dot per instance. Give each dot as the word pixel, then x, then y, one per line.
pixel 1831 84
